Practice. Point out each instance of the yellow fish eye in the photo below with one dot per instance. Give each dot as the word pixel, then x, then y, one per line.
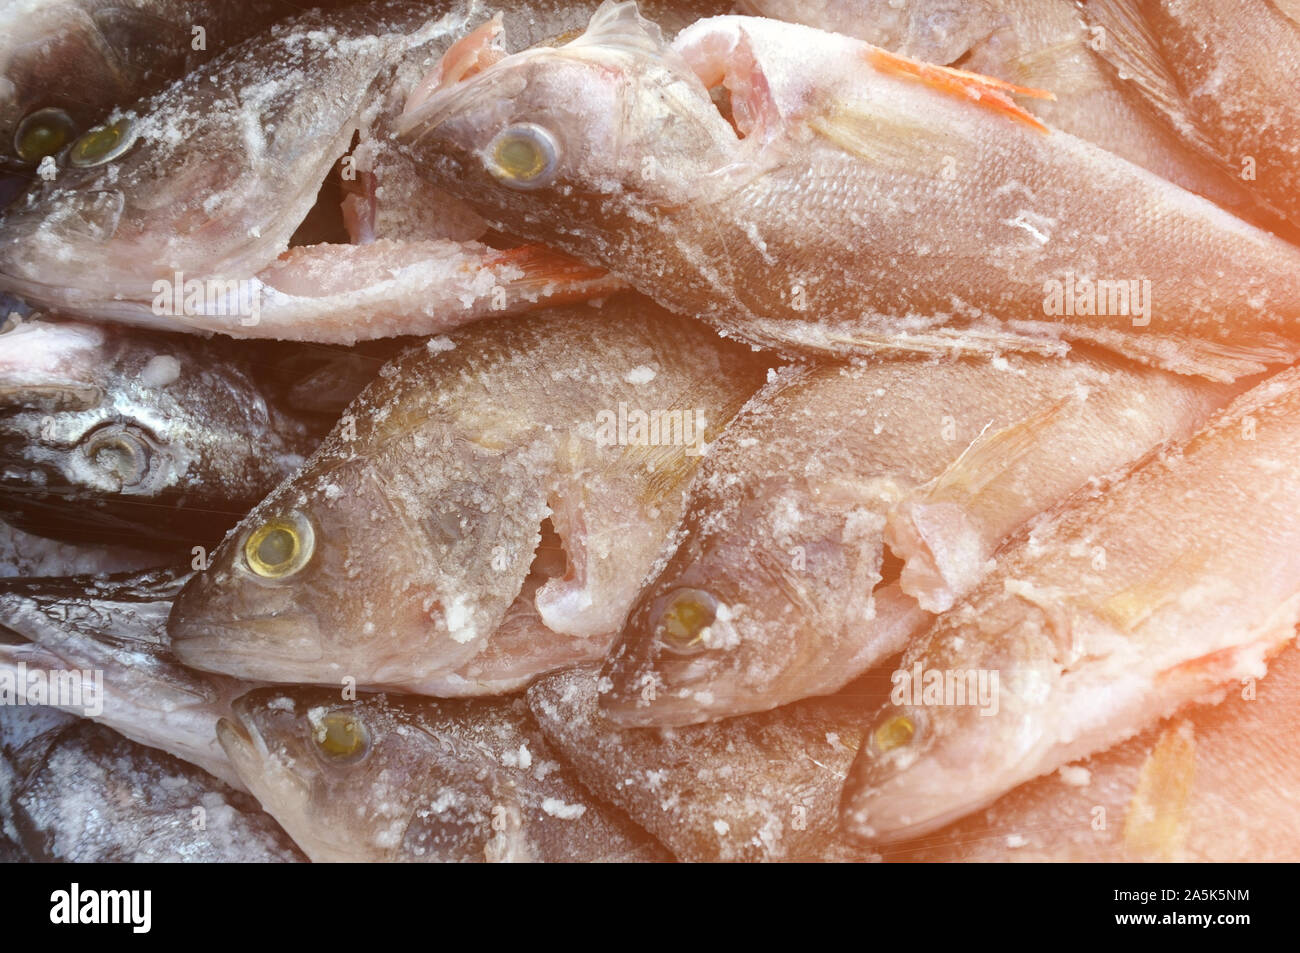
pixel 43 133
pixel 684 618
pixel 895 733
pixel 341 736
pixel 280 546
pixel 524 156
pixel 103 143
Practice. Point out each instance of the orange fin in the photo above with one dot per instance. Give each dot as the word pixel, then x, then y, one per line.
pixel 988 92
pixel 565 278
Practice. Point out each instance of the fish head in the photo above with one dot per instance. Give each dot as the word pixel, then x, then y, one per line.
pixel 129 422
pixel 964 718
pixel 364 779
pixel 373 562
pixel 574 134
pixel 290 594
pixel 744 618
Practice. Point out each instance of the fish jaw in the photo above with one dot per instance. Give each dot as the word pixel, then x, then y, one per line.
pixel 283 793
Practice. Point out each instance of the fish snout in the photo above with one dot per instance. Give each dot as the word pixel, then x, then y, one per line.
pixel 269 644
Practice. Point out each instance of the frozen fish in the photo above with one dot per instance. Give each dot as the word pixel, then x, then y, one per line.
pixel 142 440
pixel 1113 612
pixel 412 779
pixel 837 198
pixel 400 556
pixel 846 504
pixel 762 787
pixel 98 646
pixel 88 795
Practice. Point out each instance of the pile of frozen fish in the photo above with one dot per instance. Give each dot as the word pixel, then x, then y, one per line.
pixel 544 431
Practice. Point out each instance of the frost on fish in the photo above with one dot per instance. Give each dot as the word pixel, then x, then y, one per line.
pixel 65 63
pixel 1216 77
pixel 1217 784
pixel 1043 44
pixel 934 31
pixel 415 780
pixel 102 429
pixel 846 504
pixel 1100 620
pixel 109 635
pixel 799 214
pixel 87 795
pixel 189 229
pixel 25 555
pixel 759 788
pixel 486 510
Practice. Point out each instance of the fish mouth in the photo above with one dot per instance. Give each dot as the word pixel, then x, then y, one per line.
pixel 270 649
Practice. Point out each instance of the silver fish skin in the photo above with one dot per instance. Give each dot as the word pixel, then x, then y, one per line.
pixel 104 431
pixel 762 787
pixel 26 555
pixel 114 629
pixel 1219 78
pixel 1214 785
pixel 1112 612
pixel 191 227
pixel 845 171
pixel 66 63
pixel 184 210
pixel 1043 44
pixel 844 505
pixel 416 780
pixel 88 795
pixel 935 31
pixel 399 553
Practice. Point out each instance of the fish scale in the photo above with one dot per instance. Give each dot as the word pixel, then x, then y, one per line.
pixel 734 224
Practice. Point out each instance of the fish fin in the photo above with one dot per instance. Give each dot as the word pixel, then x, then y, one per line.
pixel 1216 360
pixel 936 532
pixel 991 93
pixel 1155 825
pixel 880 139
pixel 553 275
pixel 799 338
pixel 620 26
pixel 990 455
pixel 471 54
pixel 1130 50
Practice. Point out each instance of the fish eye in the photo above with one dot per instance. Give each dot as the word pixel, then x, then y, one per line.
pixel 341 737
pixel 103 143
pixel 42 133
pixel 683 620
pixel 280 546
pixel 895 732
pixel 524 156
pixel 120 454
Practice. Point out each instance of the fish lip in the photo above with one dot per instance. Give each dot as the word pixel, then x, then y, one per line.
pixel 856 819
